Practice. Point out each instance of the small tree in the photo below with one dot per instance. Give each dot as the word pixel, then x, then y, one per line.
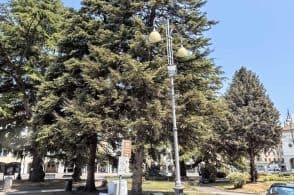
pixel 254 119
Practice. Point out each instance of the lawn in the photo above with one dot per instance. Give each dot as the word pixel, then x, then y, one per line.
pixel 167 187
pixel 258 188
pixel 149 187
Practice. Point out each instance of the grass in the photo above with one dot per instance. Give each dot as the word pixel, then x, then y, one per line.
pixel 172 193
pixel 149 187
pixel 257 188
pixel 167 187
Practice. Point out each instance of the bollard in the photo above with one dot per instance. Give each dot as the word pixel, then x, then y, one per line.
pixel 7 183
pixel 68 185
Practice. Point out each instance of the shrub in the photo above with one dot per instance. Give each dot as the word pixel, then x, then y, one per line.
pixel 282 178
pixel 238 179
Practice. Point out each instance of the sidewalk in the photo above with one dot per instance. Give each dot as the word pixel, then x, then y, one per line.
pixel 50 187
pixel 36 191
pixel 51 192
pixel 48 192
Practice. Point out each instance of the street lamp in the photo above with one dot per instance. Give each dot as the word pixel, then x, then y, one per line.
pixel 155 37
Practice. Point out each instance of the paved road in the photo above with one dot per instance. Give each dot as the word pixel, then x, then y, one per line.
pixel 218 191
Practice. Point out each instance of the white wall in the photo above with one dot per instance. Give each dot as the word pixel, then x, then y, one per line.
pixel 286 140
pixel 288 147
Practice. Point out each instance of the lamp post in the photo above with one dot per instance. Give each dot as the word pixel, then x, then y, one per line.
pixel 155 37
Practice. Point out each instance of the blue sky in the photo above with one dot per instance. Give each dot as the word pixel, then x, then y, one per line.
pixel 72 3
pixel 257 34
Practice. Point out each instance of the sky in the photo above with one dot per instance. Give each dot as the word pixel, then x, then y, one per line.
pixel 257 34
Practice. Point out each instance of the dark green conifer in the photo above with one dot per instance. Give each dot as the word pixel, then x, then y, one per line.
pixel 29 29
pixel 254 120
pixel 112 82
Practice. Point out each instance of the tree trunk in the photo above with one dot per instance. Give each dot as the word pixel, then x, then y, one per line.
pixel 19 170
pixel 138 171
pixel 253 174
pixel 183 169
pixel 90 182
pixel 77 173
pixel 37 173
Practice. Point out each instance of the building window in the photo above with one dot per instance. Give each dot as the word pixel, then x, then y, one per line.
pixel 292 163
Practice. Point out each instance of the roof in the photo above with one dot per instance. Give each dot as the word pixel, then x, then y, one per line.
pixel 290 185
pixel 288 128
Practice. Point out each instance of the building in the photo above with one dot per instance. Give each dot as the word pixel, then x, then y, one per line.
pixel 288 146
pixel 270 159
pixel 53 168
pixel 284 154
pixel 12 165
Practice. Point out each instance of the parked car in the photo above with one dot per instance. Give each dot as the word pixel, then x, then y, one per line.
pixel 281 189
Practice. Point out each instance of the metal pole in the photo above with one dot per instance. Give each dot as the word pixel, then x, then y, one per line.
pixel 178 184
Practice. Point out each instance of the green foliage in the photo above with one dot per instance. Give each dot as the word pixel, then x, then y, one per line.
pixel 27 41
pixel 110 81
pixel 28 33
pixel 240 163
pixel 278 178
pixel 238 179
pixel 254 121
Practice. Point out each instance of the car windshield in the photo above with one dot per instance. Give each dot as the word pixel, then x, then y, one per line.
pixel 281 190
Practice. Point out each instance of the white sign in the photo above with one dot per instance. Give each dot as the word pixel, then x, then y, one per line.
pixel 172 70
pixel 123 165
pixel 118 187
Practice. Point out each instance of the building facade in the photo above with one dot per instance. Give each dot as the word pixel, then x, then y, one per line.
pixel 270 159
pixel 15 166
pixel 288 146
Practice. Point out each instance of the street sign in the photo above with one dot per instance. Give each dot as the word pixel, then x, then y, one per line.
pixel 172 70
pixel 126 148
pixel 123 165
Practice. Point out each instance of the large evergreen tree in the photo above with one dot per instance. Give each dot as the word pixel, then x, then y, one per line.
pixel 111 82
pixel 76 103
pixel 254 120
pixel 28 33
